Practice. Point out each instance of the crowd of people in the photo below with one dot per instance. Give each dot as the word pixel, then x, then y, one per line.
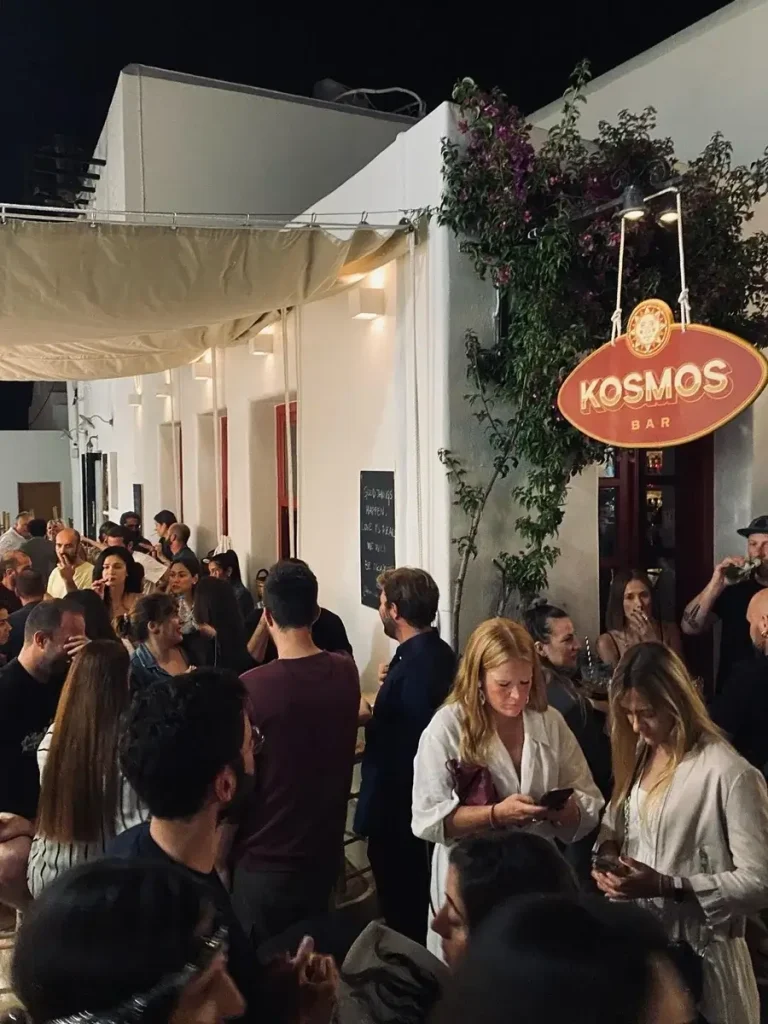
pixel 176 764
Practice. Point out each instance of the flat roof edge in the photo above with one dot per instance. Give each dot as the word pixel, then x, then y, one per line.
pixel 146 70
pixel 698 28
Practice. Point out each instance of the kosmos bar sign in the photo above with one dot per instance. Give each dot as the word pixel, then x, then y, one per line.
pixel 658 385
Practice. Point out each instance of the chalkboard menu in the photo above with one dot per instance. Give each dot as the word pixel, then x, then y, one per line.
pixel 377 531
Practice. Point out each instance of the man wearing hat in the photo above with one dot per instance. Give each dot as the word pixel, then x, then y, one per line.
pixel 726 598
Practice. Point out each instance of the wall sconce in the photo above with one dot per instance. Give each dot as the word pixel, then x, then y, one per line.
pixel 201 368
pixel 262 345
pixel 134 398
pixel 164 389
pixel 367 303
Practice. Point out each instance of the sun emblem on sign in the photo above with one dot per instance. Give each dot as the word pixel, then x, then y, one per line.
pixel 649 328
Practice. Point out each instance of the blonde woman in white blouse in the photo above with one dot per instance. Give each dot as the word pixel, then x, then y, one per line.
pixel 497 718
pixel 686 830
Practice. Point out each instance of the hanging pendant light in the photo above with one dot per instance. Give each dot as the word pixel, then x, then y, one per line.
pixel 632 204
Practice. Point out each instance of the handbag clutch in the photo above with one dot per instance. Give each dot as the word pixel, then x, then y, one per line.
pixel 473 784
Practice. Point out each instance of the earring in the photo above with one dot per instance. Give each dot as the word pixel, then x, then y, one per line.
pixel 482 696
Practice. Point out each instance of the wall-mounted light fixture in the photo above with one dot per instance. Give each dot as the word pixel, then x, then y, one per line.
pixel 367 303
pixel 164 389
pixel 262 345
pixel 201 367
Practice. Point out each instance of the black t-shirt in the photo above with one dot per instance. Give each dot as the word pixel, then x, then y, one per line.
pixel 731 609
pixel 328 633
pixel 9 600
pixel 242 962
pixel 741 710
pixel 27 708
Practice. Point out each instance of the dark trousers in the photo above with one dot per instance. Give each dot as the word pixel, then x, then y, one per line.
pixel 401 870
pixel 268 903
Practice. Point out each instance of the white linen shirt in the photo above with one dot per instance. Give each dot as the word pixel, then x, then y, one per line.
pixel 551 759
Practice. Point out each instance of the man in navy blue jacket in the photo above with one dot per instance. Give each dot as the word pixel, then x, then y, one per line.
pixel 416 683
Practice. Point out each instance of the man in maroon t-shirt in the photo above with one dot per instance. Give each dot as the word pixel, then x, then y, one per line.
pixel 290 850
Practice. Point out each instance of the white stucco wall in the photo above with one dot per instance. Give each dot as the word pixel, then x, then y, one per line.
pixel 709 77
pixel 34 456
pixel 385 394
pixel 184 144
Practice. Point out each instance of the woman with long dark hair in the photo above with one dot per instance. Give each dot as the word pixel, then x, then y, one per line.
pixel 118 579
pixel 226 566
pixel 684 833
pixel 221 636
pixel 183 577
pixel 117 941
pixel 84 800
pixel 631 618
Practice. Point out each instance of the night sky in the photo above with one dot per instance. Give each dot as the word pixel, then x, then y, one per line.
pixel 60 60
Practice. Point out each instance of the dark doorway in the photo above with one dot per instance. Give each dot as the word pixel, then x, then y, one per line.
pixel 655 512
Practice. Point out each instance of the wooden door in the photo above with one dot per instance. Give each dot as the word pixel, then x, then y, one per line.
pixel 655 513
pixel 41 499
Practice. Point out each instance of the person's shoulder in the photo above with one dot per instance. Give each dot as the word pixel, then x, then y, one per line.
pixel 549 724
pixel 446 722
pixel 260 680
pixel 13 673
pixel 21 614
pixel 329 618
pixel 134 842
pixel 717 757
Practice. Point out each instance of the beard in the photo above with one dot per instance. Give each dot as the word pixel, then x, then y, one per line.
pixel 390 629
pixel 236 810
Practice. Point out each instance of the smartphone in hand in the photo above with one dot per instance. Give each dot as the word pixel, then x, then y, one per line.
pixel 608 864
pixel 556 799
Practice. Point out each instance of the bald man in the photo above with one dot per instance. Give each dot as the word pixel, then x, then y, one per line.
pixel 741 710
pixel 73 572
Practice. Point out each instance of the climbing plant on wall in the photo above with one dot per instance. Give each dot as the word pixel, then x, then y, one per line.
pixel 527 220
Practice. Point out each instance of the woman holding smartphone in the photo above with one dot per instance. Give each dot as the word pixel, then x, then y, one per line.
pixel 686 827
pixel 494 755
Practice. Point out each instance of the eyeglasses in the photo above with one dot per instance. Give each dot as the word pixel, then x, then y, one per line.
pixel 134 1009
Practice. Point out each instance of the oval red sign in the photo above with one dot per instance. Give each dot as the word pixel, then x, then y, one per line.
pixel 645 392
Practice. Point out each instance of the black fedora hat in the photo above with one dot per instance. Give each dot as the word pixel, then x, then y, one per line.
pixel 758 525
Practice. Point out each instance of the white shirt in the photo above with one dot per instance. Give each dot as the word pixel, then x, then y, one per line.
pixel 11 540
pixel 551 759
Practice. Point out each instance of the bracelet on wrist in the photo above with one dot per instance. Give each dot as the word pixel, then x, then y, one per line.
pixel 492 817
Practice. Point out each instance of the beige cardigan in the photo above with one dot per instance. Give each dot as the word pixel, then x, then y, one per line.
pixel 712 830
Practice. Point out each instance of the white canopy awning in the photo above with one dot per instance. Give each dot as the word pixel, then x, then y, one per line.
pixel 82 300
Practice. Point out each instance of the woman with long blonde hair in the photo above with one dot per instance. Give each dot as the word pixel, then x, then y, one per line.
pixel 685 831
pixel 495 753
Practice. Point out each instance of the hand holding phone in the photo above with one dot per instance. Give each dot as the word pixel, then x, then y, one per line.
pixel 609 864
pixel 556 799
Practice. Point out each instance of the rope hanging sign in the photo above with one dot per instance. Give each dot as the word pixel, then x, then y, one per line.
pixel 661 383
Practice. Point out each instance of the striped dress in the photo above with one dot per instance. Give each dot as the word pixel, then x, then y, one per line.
pixel 48 859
